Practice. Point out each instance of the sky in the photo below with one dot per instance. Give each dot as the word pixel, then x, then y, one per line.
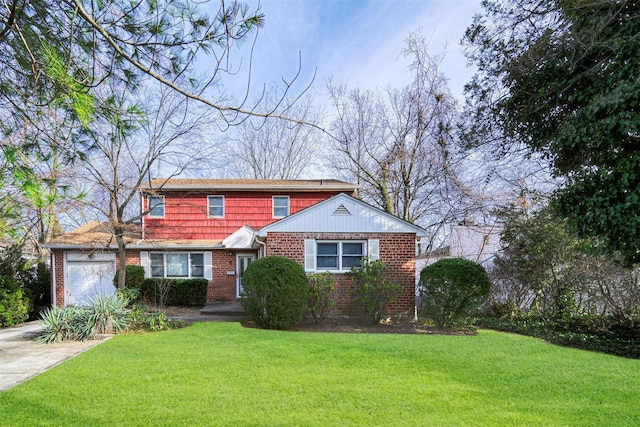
pixel 354 42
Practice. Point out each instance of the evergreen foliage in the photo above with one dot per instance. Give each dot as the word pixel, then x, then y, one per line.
pixel 274 292
pixel 178 292
pixel 562 78
pixel 451 288
pixel 16 277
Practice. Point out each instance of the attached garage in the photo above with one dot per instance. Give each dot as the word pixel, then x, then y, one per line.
pixel 87 274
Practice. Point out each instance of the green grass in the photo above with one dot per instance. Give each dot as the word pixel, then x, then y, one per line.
pixel 221 374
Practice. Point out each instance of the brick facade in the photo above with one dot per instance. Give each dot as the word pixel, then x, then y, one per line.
pixel 58 273
pixel 222 287
pixel 318 206
pixel 397 251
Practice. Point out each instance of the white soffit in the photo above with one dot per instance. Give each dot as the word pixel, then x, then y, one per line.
pixel 342 214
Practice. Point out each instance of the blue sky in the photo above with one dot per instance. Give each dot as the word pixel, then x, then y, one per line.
pixel 355 42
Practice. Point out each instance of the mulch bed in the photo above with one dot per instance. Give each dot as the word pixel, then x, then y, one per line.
pixel 345 324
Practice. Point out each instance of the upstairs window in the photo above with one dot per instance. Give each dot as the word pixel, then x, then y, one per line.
pixel 156 206
pixel 215 206
pixel 280 206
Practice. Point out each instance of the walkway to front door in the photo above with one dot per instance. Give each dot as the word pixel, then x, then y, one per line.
pixel 242 262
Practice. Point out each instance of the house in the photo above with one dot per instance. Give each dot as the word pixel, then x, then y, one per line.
pixel 213 229
pixel 468 240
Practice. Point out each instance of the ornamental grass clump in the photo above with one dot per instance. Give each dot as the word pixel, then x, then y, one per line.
pixel 107 314
pixel 63 324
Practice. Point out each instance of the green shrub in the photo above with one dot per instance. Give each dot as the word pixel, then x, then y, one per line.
pixel 143 320
pixel 321 287
pixel 40 286
pixel 274 291
pixel 372 288
pixel 134 278
pixel 180 292
pixel 605 334
pixel 16 276
pixel 188 292
pixel 450 289
pixel 132 295
pixel 14 307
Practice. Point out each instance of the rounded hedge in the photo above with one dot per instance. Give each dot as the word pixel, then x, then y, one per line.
pixel 450 289
pixel 274 290
pixel 133 278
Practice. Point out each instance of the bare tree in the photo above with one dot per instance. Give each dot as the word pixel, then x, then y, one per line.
pixel 398 143
pixel 129 145
pixel 59 57
pixel 276 148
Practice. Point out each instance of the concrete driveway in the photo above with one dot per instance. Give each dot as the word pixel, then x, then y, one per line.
pixel 22 358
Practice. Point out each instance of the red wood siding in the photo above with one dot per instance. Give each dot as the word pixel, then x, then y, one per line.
pixel 396 250
pixel 185 215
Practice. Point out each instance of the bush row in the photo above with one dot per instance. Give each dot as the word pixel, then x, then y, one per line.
pixel 603 334
pixel 277 292
pixel 180 292
pixel 161 292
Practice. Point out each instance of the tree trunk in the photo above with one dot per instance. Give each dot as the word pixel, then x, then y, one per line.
pixel 121 256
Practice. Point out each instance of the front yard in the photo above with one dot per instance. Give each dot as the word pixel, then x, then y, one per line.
pixel 223 374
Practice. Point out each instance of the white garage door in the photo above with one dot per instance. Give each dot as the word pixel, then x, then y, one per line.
pixel 88 274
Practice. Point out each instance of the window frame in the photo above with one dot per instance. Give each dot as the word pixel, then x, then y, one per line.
pixel 340 254
pixel 151 207
pixel 274 206
pixel 211 197
pixel 190 265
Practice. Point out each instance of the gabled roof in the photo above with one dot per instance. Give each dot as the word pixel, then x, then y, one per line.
pixel 242 238
pixel 342 214
pixel 191 184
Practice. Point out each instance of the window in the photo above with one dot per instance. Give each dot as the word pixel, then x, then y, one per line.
pixel 197 265
pixel 177 265
pixel 156 206
pixel 215 206
pixel 340 256
pixel 327 256
pixel 280 206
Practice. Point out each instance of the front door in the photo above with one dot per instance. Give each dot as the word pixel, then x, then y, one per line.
pixel 242 262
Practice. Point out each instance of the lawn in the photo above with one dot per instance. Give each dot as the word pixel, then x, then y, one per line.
pixel 222 374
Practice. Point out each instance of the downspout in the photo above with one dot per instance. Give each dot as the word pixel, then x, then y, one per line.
pixel 416 279
pixel 142 219
pixel 264 245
